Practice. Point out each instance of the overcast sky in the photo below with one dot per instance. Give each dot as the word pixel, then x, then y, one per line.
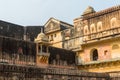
pixel 37 12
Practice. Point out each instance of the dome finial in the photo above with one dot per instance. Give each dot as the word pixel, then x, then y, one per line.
pixel 89 10
pixel 41 30
pixel 41 37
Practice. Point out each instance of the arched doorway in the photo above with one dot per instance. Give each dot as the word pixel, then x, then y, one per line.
pixel 94 55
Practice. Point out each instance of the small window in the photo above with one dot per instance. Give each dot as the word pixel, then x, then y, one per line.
pixel 94 55
pixel 54 35
pixel 51 39
pixel 105 52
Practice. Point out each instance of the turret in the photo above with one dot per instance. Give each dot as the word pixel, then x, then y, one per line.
pixel 42 44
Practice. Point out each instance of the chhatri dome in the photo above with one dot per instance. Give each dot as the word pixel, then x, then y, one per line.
pixel 89 10
pixel 41 37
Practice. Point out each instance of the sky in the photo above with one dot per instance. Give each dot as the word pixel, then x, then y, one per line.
pixel 37 12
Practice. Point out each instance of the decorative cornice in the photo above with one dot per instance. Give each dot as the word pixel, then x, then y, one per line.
pixel 102 12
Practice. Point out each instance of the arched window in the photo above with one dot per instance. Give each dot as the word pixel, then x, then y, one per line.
pixel 115 46
pixel 113 22
pixel 99 26
pixel 86 31
pixel 94 55
pixel 92 28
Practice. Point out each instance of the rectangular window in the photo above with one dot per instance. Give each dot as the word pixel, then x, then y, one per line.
pixel 54 35
pixel 51 39
pixel 48 37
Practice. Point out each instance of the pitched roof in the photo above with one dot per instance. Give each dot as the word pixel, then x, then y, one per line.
pixel 58 21
pixel 56 25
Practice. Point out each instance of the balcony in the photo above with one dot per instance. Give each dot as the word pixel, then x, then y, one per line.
pixel 102 34
pixel 44 54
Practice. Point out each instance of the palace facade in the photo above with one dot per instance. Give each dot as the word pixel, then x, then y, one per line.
pixel 95 37
pixel 87 50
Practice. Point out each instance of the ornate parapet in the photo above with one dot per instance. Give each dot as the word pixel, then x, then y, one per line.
pixel 102 12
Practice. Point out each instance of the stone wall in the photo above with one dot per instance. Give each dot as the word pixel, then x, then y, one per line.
pixel 28 33
pixel 32 32
pixel 14 72
pixel 11 30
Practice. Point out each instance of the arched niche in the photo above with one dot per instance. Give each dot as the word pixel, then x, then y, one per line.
pixel 86 30
pixel 92 28
pixel 115 51
pixel 115 46
pixel 99 26
pixel 94 55
pixel 113 22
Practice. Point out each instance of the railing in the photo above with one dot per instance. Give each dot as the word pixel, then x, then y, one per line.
pixel 61 67
pixel 102 34
pixel 44 53
pixel 17 59
pixel 33 72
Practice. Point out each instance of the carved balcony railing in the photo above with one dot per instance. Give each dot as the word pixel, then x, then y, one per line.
pixel 102 34
pixel 44 54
